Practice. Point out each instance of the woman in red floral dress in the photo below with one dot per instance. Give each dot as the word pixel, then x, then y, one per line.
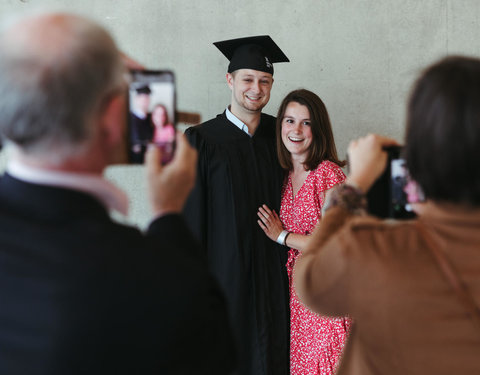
pixel 306 149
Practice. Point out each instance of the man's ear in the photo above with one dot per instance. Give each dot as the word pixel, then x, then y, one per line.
pixel 230 78
pixel 113 123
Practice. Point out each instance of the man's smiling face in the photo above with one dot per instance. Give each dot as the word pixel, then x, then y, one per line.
pixel 250 89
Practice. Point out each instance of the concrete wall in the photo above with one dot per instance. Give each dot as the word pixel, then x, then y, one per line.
pixel 360 56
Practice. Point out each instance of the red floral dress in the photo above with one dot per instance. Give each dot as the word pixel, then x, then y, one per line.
pixel 316 342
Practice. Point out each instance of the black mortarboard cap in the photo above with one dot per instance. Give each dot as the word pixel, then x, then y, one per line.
pixel 255 52
pixel 144 89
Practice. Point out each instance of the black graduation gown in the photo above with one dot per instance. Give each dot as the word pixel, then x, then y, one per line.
pixel 141 133
pixel 236 174
pixel 141 129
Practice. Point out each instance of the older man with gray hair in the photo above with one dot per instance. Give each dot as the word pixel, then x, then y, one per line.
pixel 80 293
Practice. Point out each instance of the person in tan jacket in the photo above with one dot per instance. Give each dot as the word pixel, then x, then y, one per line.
pixel 408 318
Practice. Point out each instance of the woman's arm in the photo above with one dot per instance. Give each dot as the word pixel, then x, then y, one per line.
pixel 324 250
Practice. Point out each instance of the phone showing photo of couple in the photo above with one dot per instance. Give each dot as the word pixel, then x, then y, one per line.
pixel 394 192
pixel 151 114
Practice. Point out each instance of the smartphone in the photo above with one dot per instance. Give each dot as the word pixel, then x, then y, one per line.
pixel 389 197
pixel 151 114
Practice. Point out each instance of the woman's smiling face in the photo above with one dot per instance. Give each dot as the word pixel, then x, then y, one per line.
pixel 296 130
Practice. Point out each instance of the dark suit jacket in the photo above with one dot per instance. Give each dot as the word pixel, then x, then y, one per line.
pixel 81 294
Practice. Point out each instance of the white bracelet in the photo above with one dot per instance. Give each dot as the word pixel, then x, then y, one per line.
pixel 281 237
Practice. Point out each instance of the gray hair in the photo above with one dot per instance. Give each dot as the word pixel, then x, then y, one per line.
pixel 54 78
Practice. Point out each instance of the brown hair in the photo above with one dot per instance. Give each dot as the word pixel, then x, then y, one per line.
pixel 443 133
pixel 323 145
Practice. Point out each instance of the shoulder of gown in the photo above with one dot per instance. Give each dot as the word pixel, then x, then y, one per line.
pixel 221 130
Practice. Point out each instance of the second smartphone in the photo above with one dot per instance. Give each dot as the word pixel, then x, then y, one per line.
pixel 388 197
pixel 151 114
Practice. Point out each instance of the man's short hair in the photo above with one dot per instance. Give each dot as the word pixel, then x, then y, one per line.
pixel 53 84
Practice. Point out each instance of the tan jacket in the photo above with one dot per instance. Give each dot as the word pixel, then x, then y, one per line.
pixel 407 317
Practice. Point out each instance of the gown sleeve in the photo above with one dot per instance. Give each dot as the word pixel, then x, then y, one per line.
pixel 195 211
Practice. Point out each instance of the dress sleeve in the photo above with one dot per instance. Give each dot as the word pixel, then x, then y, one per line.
pixel 329 174
pixel 335 175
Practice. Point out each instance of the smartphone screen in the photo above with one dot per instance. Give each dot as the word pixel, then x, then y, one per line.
pixel 151 114
pixel 399 205
pixel 394 192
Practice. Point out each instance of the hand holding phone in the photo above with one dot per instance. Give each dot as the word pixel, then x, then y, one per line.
pixel 169 185
pixel 367 159
pixel 151 114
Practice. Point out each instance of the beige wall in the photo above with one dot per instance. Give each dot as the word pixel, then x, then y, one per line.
pixel 359 56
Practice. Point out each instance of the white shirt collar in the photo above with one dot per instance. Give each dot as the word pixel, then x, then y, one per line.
pixel 236 121
pixel 139 114
pixel 108 194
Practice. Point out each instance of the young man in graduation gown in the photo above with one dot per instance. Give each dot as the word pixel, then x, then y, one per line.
pixel 238 171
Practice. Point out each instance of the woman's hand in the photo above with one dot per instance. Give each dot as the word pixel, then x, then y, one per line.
pixel 269 222
pixel 367 159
